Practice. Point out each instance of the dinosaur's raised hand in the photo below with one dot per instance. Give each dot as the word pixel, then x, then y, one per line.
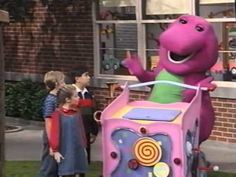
pixel 133 64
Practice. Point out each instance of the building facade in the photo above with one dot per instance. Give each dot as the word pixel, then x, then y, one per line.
pixel 98 33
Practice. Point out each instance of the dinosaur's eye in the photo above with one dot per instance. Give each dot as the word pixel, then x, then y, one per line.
pixel 199 28
pixel 183 21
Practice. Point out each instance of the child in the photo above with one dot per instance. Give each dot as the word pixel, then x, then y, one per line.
pixel 53 80
pixel 68 139
pixel 81 81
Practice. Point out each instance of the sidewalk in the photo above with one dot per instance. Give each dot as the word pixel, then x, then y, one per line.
pixel 27 145
pixel 221 154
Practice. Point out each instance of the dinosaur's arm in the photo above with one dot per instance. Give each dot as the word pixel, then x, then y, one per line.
pixel 188 95
pixel 146 76
pixel 207 118
pixel 205 82
pixel 133 64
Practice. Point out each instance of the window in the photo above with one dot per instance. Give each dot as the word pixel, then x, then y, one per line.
pixel 116 10
pixel 115 40
pixel 222 15
pixel 135 26
pixel 218 9
pixel 166 9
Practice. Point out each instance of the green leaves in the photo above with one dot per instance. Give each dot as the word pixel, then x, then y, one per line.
pixel 24 99
pixel 17 8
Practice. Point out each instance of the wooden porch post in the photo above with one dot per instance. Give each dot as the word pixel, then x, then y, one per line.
pixel 4 18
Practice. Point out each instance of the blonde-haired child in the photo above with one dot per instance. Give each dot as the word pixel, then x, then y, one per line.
pixel 53 81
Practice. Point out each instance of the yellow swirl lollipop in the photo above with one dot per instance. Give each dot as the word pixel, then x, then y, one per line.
pixel 147 151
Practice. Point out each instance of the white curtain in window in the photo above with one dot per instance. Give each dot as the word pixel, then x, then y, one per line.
pixel 162 7
pixel 215 1
pixel 117 3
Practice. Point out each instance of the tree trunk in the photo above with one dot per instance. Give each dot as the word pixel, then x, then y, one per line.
pixel 2 106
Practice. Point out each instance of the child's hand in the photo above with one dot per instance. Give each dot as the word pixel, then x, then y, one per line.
pixel 51 152
pixel 58 157
pixel 92 139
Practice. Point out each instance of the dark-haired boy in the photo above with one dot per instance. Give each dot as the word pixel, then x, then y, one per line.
pixel 81 79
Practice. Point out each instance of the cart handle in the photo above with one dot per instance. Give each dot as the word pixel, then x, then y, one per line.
pixel 167 82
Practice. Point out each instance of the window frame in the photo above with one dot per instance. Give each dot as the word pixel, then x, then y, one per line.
pixel 141 35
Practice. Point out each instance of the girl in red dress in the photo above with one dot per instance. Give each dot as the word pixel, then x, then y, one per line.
pixel 68 141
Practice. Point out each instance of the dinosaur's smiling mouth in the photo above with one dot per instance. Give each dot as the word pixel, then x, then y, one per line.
pixel 175 58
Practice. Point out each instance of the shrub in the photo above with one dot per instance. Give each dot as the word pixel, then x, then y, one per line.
pixel 24 99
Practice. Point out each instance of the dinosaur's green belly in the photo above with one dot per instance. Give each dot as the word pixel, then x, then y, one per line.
pixel 165 93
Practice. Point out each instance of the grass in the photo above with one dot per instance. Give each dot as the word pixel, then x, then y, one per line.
pixel 221 174
pixel 21 168
pixel 30 169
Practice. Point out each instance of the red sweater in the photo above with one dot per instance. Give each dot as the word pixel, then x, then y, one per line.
pixel 85 103
pixel 54 139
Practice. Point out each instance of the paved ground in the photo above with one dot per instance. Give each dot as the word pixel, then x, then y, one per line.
pixel 221 154
pixel 27 145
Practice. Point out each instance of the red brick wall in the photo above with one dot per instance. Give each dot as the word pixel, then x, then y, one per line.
pixel 59 38
pixel 225 124
pixel 101 96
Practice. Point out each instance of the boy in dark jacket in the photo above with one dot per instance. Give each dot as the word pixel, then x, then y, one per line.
pixel 81 79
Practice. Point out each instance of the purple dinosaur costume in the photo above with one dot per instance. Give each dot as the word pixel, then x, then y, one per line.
pixel 188 48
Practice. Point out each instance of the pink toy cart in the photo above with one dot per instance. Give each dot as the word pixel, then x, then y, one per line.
pixel 147 139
